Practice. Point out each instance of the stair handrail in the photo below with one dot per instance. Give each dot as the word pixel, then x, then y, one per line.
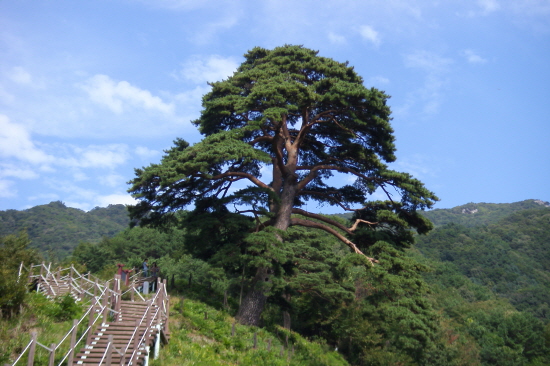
pixel 99 312
pixel 110 347
pixel 132 288
pixel 50 273
pixel 136 329
pixel 156 314
pixel 24 351
pixel 45 281
pixel 33 340
pixel 145 333
pixel 115 297
pixel 151 304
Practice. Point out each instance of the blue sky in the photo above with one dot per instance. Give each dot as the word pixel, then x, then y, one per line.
pixel 90 90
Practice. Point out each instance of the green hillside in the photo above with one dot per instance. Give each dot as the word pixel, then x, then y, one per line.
pixel 490 278
pixel 476 214
pixel 508 251
pixel 55 229
pixel 474 291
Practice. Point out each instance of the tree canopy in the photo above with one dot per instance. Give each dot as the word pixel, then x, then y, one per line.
pixel 289 124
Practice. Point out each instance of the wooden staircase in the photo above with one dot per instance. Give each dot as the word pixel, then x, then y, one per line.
pixel 55 289
pixel 121 332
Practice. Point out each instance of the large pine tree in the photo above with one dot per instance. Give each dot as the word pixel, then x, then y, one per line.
pixel 299 119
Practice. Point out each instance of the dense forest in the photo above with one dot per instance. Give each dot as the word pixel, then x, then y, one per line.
pixel 474 291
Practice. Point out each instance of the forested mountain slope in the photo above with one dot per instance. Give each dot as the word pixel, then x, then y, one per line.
pixel 483 301
pixel 476 214
pixel 55 229
pixel 508 251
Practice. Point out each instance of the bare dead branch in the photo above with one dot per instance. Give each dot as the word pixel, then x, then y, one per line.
pixel 316 225
pixel 354 226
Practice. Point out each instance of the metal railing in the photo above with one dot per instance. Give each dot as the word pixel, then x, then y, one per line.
pixel 107 302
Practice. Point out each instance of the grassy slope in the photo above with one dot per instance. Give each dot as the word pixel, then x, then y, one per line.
pixel 51 320
pixel 199 341
pixel 194 339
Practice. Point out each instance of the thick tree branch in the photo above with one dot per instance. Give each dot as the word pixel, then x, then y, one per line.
pixel 278 144
pixel 314 169
pixel 329 221
pixel 261 138
pixel 321 218
pixel 250 177
pixel 306 125
pixel 316 225
pixel 354 226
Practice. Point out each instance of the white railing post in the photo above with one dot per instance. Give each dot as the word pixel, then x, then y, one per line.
pixel 109 350
pixel 32 350
pixel 73 342
pixel 52 355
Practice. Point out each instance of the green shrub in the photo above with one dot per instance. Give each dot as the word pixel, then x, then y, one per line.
pixel 66 308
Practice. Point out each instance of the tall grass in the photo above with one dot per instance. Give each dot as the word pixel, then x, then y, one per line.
pixel 202 335
pixel 50 319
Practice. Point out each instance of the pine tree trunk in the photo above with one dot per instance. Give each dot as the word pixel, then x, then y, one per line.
pixel 286 313
pixel 253 303
pixel 286 320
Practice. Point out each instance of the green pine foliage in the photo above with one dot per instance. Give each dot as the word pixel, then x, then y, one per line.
pixel 129 247
pixel 305 118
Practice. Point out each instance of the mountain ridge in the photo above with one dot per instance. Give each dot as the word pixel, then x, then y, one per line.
pixel 56 229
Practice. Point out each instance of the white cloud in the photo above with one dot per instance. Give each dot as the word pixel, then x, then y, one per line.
pixel 6 189
pixel 376 81
pixel 210 30
pixel 336 38
pixel 96 156
pixel 121 96
pixel 488 6
pixel 16 171
pixel 419 166
pixel 112 180
pixel 20 76
pixel 368 33
pixel 192 98
pixel 5 97
pixel 79 176
pixel 116 198
pixel 146 153
pixel 436 69
pixel 45 197
pixel 472 57
pixel 15 142
pixel 537 8
pixel 83 198
pixel 428 61
pixel 202 69
pixel 72 194
pixel 483 8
